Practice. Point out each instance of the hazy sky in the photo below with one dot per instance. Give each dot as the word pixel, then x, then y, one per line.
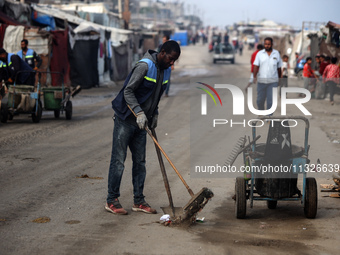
pixel 291 12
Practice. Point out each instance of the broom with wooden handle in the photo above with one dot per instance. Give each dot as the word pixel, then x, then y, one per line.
pixel 197 201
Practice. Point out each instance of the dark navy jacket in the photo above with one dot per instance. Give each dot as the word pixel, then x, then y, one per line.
pixel 144 91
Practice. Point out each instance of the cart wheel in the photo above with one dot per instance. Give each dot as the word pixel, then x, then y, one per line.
pixel 10 116
pixel 68 110
pixel 4 113
pixel 56 114
pixel 311 198
pixel 240 201
pixel 271 204
pixel 37 117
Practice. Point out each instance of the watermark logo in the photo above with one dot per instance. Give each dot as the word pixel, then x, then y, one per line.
pixel 239 98
pixel 204 97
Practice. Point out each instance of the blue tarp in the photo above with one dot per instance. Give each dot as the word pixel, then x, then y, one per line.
pixel 44 20
pixel 182 37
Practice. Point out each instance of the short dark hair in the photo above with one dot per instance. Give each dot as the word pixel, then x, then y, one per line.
pixel 170 46
pixel 309 58
pixel 25 41
pixel 333 60
pixel 268 39
pixel 167 37
pixel 284 56
pixel 327 58
pixel 260 47
pixel 322 56
pixel 2 50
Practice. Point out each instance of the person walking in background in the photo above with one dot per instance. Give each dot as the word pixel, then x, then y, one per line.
pixel 285 68
pixel 141 92
pixel 331 77
pixel 29 56
pixel 252 58
pixel 317 62
pixel 267 71
pixel 226 38
pixel 308 75
pixel 296 62
pixel 323 64
pixel 240 47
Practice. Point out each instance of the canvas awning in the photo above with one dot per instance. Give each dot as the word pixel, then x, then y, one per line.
pixel 118 36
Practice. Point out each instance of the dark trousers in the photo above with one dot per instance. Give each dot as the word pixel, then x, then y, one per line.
pixel 331 87
pixel 127 135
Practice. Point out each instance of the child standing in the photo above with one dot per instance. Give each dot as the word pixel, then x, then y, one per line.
pixel 284 78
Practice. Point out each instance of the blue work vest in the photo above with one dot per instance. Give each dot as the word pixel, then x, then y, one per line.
pixel 9 55
pixel 143 92
pixel 29 53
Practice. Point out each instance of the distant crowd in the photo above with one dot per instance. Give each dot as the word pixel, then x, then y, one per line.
pixel 326 73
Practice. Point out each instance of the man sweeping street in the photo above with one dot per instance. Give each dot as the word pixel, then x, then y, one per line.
pixel 142 91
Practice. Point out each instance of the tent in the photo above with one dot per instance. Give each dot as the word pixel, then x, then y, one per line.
pixel 83 56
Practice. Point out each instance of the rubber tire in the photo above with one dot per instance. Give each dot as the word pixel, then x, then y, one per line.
pixel 37 118
pixel 214 61
pixel 233 61
pixel 68 110
pixel 4 113
pixel 271 204
pixel 311 198
pixel 241 199
pixel 56 114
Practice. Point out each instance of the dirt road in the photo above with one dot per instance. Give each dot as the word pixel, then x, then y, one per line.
pixel 40 166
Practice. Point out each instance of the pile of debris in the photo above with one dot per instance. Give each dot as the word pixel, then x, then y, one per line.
pixel 332 187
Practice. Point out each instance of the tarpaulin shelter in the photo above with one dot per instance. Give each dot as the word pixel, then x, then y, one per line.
pixel 12 38
pixel 83 56
pixel 18 11
pixel 120 61
pixel 44 20
pixel 83 47
pixel 40 41
pixel 59 60
pixel 331 45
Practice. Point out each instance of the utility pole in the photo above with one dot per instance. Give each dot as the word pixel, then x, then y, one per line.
pixel 120 14
pixel 126 14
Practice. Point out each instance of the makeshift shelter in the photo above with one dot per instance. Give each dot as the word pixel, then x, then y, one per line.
pixel 40 42
pixel 106 39
pixel 12 38
pixel 120 61
pixel 59 60
pixel 18 11
pixel 331 45
pixel 83 56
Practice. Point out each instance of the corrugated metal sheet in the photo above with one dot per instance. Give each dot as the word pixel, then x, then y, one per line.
pixel 38 40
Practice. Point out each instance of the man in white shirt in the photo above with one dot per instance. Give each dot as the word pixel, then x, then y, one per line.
pixel 267 71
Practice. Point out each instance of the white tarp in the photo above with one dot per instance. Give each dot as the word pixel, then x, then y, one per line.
pixel 12 38
pixel 118 36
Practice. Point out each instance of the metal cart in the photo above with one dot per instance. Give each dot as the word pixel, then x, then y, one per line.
pixel 277 152
pixel 24 99
pixel 57 99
